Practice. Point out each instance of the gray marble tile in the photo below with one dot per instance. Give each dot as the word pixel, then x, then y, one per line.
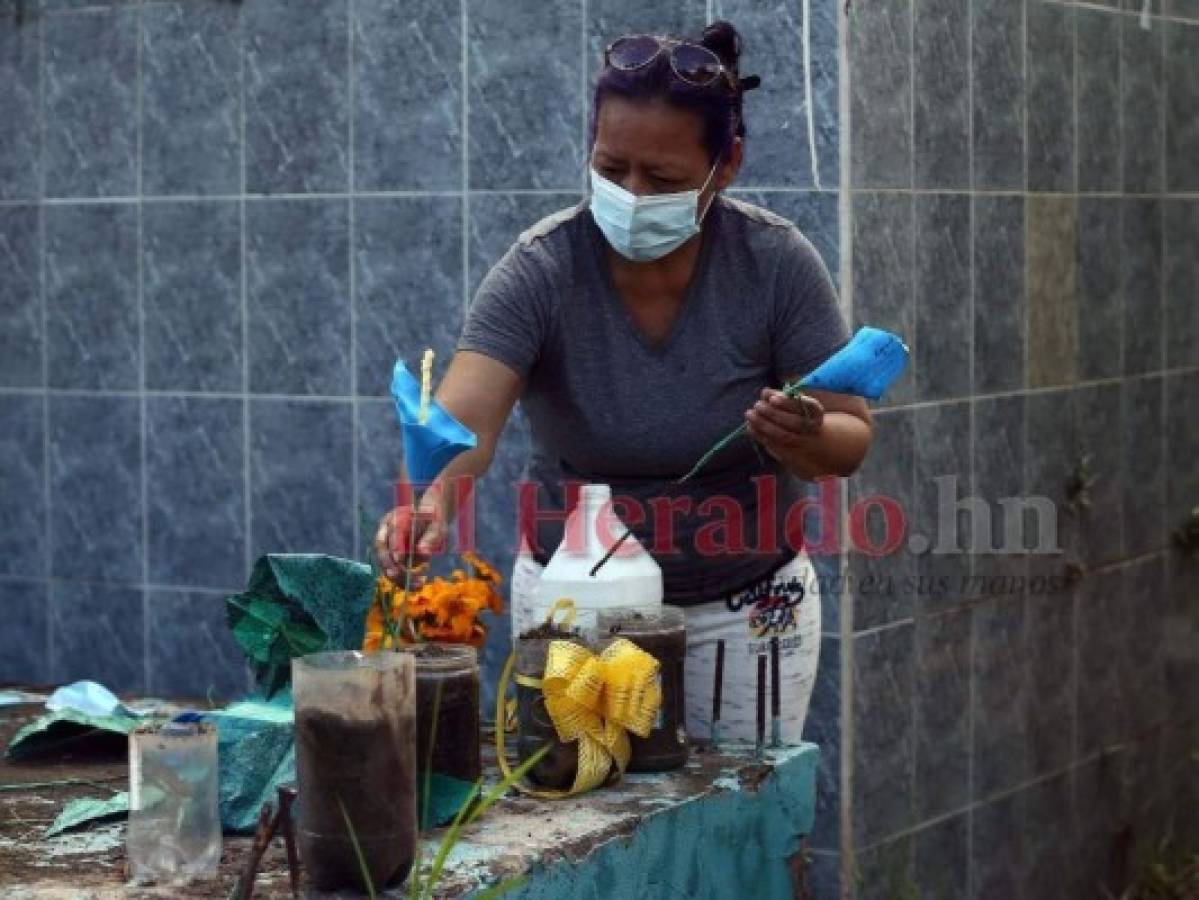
pixel 408 110
pixel 1100 288
pixel 1052 291
pixel 1099 160
pixel 1000 696
pixel 1182 447
pixel 95 488
pixel 20 152
pixel 190 107
pixel 830 581
pixel 1048 848
pixel 824 874
pixel 1147 805
pixel 815 213
pixel 999 293
pixel 408 271
pixel 942 281
pixel 1050 648
pixel 1147 638
pixel 192 652
pixel 883 275
pixel 879 562
pixel 1053 454
pixel 1182 107
pixel 883 670
pixel 1097 799
pixel 195 485
pixel 1178 777
pixel 496 220
pixel 997 848
pixel 298 296
pixel 90 104
pixel 301 477
pixel 1104 662
pixel 20 297
pixel 1050 97
pixel 941 115
pixel 1142 277
pixel 780 150
pixel 98 635
pixel 22 485
pixel 191 294
pixel 1182 282
pixel 1144 474
pixel 380 455
pixel 296 95
pixel 823 728
pixel 941 856
pixel 25 638
pixel 880 86
pixel 884 871
pixel 1182 9
pixel 1141 106
pixel 998 485
pixel 941 516
pixel 90 271
pixel 1101 434
pixel 942 715
pixel 521 137
pixel 57 5
pixel 998 120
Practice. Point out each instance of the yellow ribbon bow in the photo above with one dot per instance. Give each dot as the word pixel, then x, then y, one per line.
pixel 595 700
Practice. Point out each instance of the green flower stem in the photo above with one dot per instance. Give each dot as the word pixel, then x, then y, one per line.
pixel 791 390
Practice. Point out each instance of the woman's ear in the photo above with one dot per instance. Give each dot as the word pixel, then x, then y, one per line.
pixel 727 173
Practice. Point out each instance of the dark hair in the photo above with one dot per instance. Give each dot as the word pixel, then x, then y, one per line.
pixel 717 105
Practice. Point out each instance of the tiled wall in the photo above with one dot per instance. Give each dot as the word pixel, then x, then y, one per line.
pixel 219 225
pixel 1024 181
pixel 221 222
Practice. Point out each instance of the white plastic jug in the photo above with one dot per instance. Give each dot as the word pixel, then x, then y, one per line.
pixel 630 578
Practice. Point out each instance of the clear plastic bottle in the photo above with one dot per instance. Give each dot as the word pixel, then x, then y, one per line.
pixel 356 766
pixel 174 831
pixel 662 635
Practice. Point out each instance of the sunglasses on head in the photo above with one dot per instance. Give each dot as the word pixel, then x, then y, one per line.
pixel 691 62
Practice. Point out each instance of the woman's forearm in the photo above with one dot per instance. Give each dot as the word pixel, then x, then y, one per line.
pixel 446 490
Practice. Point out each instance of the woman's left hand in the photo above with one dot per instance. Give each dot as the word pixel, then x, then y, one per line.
pixel 781 423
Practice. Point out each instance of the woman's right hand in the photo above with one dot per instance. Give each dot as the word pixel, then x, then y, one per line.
pixel 405 527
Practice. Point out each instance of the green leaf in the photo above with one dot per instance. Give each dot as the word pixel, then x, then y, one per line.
pixel 465 819
pixel 362 866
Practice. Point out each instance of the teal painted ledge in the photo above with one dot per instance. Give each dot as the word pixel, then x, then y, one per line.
pixel 726 826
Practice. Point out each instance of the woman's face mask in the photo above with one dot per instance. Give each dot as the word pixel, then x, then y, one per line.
pixel 649 227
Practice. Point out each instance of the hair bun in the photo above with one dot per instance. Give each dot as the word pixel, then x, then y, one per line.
pixel 722 38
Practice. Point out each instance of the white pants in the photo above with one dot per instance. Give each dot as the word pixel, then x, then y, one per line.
pixel 786 606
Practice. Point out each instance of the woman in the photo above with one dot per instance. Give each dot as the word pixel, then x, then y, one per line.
pixel 636 329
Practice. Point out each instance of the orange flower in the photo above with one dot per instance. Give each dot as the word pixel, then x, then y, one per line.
pixel 486 572
pixel 440 609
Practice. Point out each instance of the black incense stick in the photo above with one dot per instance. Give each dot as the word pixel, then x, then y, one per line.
pixel 776 718
pixel 717 691
pixel 761 703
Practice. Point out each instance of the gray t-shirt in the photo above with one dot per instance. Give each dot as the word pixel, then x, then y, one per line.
pixel 605 404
